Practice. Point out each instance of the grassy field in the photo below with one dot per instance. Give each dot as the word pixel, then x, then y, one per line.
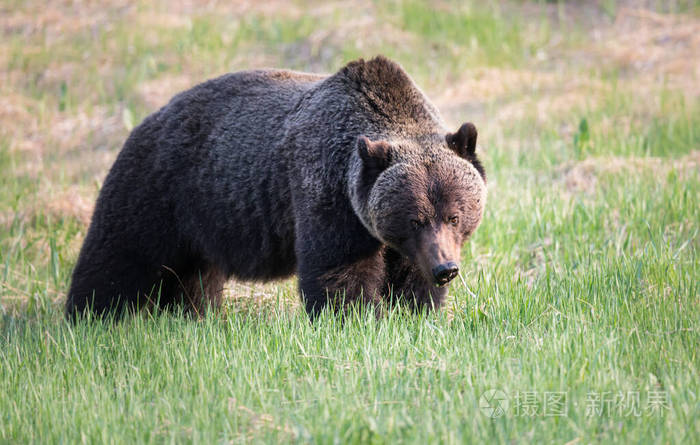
pixel 578 317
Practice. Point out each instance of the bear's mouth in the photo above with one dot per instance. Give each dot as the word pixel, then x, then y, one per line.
pixel 443 282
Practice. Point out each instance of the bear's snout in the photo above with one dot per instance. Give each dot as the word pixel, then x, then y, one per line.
pixel 444 273
pixel 436 254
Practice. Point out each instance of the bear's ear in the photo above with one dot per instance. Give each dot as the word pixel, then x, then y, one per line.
pixel 463 142
pixel 375 155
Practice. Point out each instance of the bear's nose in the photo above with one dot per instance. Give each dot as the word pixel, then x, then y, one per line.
pixel 444 273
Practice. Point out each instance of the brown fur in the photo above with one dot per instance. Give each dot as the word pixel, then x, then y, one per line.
pixel 262 174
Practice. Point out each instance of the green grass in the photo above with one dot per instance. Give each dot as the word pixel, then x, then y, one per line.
pixel 581 283
pixel 486 35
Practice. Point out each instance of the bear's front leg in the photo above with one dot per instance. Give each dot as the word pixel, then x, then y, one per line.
pixel 406 284
pixel 358 282
pixel 339 264
pixel 338 260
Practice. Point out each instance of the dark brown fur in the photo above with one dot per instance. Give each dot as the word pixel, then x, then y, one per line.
pixel 262 174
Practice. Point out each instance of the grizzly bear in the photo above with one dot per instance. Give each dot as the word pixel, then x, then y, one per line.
pixel 351 181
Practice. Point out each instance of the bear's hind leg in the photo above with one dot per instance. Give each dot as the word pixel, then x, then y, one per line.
pixel 196 290
pixel 126 288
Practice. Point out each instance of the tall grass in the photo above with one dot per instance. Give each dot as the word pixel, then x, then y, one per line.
pixel 579 303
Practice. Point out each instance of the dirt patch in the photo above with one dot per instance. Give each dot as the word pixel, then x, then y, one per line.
pixel 74 202
pixel 18 123
pixel 652 51
pixel 656 48
pixel 487 83
pixel 158 92
pixel 582 176
pixel 57 20
pixel 261 298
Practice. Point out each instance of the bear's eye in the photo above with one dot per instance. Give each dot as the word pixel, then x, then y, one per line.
pixel 415 224
pixel 454 220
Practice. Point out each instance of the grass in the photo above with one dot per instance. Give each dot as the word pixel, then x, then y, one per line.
pixel 580 296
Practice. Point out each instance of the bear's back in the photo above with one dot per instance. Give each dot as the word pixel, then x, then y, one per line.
pixel 250 86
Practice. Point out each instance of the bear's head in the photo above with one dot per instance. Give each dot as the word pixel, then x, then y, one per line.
pixel 421 198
